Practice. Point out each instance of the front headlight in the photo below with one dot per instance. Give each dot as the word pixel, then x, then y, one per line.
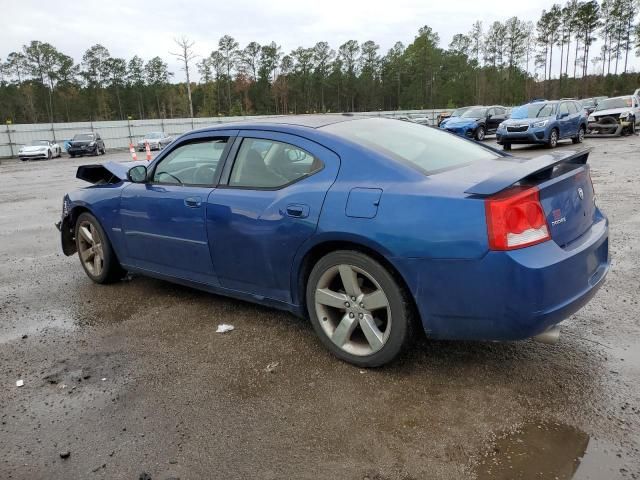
pixel 92 144
pixel 591 118
pixel 624 115
pixel 539 124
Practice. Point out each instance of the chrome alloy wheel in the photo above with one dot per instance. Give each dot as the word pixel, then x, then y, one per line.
pixel 90 248
pixel 353 310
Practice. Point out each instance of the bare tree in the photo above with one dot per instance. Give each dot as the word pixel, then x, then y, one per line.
pixel 186 55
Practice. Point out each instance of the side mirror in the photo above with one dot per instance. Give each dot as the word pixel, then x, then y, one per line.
pixel 563 115
pixel 137 174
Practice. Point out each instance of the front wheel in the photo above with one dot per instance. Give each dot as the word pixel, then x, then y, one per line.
pixel 579 137
pixel 358 309
pixel 480 133
pixel 49 155
pixel 94 249
pixel 506 146
pixel 553 139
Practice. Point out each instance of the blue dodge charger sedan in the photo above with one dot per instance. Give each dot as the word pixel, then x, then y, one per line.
pixel 367 226
pixel 544 122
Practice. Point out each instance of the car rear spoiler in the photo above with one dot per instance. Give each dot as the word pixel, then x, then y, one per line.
pixel 109 172
pixel 523 168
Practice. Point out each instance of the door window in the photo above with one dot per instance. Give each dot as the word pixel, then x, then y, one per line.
pixel 564 109
pixel 264 163
pixel 194 163
pixel 572 108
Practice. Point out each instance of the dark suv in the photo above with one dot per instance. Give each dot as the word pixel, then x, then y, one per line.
pixel 476 122
pixel 86 144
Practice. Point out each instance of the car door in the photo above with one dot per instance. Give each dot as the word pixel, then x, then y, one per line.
pixel 564 120
pixel 267 204
pixel 164 219
pixel 499 115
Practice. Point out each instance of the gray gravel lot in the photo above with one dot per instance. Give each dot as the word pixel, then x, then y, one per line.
pixel 132 378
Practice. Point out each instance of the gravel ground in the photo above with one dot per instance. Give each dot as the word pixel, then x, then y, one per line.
pixel 132 378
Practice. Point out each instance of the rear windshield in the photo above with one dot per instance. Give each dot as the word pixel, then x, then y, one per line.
pixel 429 149
pixel 619 102
pixel 534 110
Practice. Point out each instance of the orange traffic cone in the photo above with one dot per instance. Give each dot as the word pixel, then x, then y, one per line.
pixel 132 151
pixel 148 149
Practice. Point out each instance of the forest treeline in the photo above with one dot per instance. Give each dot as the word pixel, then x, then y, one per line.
pixel 505 62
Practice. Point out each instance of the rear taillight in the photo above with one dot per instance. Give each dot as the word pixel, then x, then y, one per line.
pixel 515 219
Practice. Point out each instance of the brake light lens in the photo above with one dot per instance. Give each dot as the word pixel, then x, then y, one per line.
pixel 515 219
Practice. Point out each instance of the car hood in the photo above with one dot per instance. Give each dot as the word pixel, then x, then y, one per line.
pixel 461 122
pixel 109 172
pixel 80 143
pixel 32 149
pixel 610 111
pixel 526 121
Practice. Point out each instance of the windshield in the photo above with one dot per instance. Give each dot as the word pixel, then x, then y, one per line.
pixel 459 111
pixel 154 135
pixel 40 143
pixel 534 110
pixel 428 149
pixel 475 113
pixel 84 136
pixel 618 102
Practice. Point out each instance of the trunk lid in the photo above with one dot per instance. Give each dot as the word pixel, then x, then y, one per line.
pixel 564 184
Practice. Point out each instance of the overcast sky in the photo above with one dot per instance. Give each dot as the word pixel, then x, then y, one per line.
pixel 147 28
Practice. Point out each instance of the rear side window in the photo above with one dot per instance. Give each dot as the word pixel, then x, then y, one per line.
pixel 429 149
pixel 264 163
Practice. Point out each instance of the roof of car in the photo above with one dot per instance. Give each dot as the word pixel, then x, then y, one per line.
pixel 310 121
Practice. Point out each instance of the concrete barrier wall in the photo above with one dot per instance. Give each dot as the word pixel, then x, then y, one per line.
pixel 118 134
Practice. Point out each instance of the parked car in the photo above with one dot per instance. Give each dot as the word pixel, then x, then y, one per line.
pixel 590 104
pixel 443 119
pixel 544 123
pixel 623 111
pixel 86 144
pixel 477 122
pixel 468 242
pixel 157 141
pixel 39 149
pixel 637 92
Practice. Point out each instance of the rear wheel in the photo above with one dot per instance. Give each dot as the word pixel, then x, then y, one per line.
pixel 553 139
pixel 579 137
pixel 506 146
pixel 358 309
pixel 94 249
pixel 480 133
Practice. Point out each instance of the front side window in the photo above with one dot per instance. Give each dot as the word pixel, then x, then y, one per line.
pixel 475 113
pixel 191 164
pixel 264 163
pixel 429 149
pixel 564 108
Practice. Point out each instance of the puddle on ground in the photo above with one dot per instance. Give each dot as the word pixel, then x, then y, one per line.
pixel 551 451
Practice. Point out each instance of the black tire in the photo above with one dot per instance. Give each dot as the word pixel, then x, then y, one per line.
pixel 401 320
pixel 480 133
pixel 111 270
pixel 506 146
pixel 72 155
pixel 632 127
pixel 553 138
pixel 580 136
pixel 49 155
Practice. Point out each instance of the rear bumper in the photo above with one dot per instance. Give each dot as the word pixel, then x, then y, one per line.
pixel 509 295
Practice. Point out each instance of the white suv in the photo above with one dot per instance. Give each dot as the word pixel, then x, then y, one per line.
pixel 624 111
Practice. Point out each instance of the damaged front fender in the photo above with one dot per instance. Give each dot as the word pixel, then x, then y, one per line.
pixel 107 173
